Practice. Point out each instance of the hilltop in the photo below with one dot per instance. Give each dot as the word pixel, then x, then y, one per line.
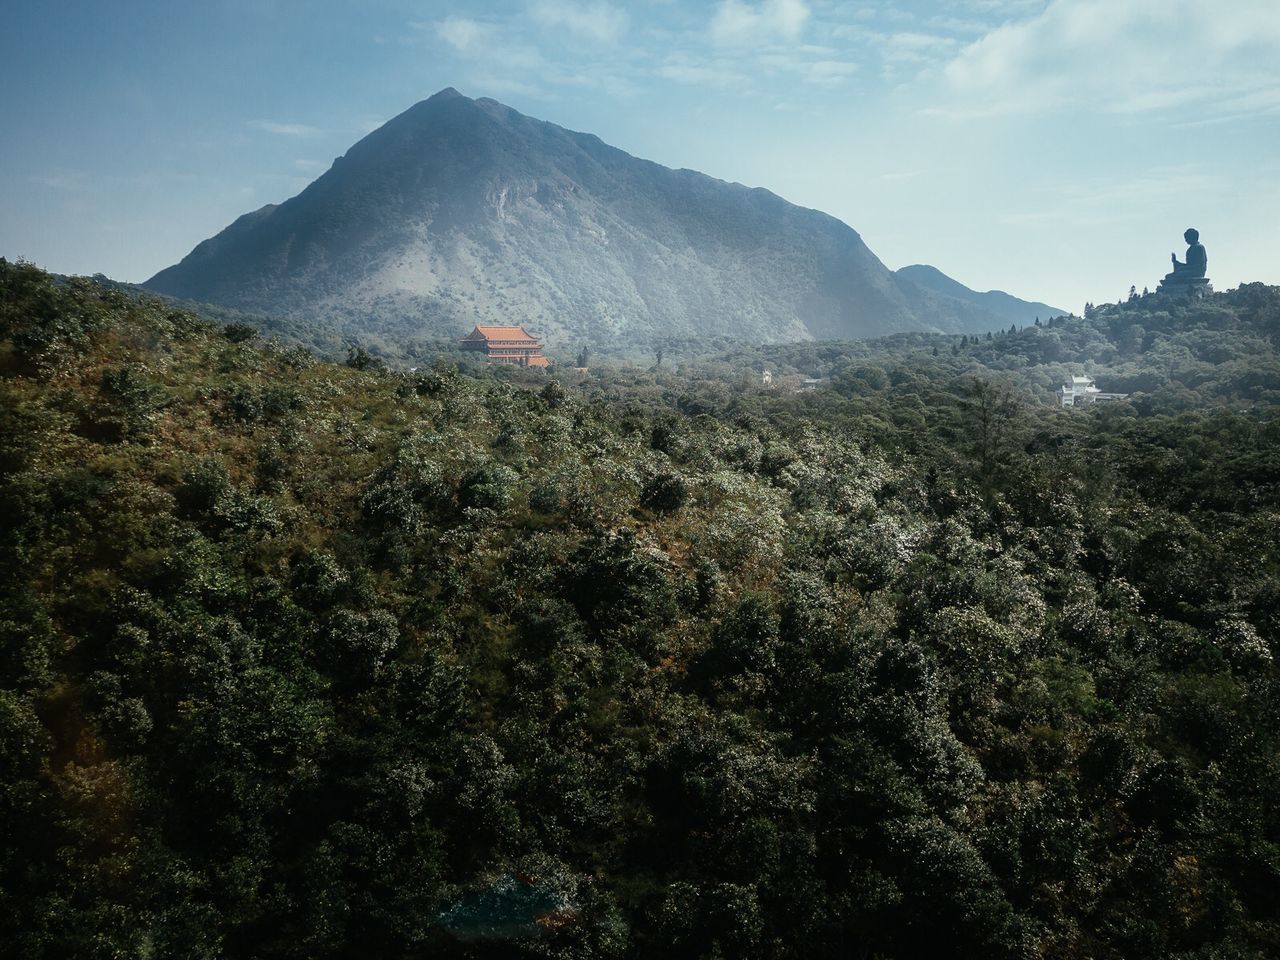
pixel 460 211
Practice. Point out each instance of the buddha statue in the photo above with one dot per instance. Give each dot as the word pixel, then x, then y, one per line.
pixel 1191 274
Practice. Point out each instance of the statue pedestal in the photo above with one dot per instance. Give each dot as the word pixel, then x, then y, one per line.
pixel 1185 286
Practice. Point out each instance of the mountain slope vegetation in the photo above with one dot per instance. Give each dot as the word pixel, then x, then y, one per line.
pixel 305 660
pixel 461 210
pixel 1169 355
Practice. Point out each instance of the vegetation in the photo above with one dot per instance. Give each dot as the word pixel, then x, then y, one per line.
pixel 311 660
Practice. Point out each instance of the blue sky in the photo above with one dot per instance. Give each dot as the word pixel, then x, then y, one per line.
pixel 1053 148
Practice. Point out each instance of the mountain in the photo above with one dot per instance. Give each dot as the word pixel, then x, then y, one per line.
pixel 994 303
pixel 462 210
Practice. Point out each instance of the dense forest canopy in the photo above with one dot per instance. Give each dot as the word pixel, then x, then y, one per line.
pixel 301 659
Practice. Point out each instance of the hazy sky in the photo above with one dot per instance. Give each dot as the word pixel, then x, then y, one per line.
pixel 1053 148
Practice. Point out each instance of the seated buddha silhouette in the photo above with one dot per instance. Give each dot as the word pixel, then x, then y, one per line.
pixel 1197 260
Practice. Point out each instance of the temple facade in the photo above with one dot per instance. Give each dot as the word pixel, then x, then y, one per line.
pixel 1082 391
pixel 513 345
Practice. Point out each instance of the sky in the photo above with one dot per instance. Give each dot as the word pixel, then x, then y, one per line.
pixel 1056 149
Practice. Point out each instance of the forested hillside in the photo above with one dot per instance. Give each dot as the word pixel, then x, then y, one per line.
pixel 305 660
pixel 1170 354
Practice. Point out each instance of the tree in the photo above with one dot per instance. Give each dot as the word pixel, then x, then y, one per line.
pixel 358 358
pixel 989 411
pixel 664 493
pixel 238 332
pixel 133 399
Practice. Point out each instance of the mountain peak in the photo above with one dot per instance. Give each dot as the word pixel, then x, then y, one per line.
pixel 461 211
pixel 440 100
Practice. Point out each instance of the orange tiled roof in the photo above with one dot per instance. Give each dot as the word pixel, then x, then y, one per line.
pixel 500 333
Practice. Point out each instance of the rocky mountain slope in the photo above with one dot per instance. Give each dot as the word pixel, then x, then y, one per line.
pixel 462 210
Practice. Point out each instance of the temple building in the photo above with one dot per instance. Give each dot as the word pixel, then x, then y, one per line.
pixel 514 345
pixel 1082 391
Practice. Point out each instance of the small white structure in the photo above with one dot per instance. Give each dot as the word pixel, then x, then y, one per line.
pixel 766 378
pixel 1082 391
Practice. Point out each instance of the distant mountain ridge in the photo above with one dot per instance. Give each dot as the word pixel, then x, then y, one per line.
pixel 996 302
pixel 460 211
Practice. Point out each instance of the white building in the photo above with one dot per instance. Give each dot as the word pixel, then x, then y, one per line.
pixel 1082 391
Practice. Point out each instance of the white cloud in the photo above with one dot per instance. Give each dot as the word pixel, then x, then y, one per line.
pixel 599 22
pixel 910 47
pixel 901 49
pixel 285 129
pixel 73 180
pixel 959 24
pixel 823 72
pixel 1124 56
pixel 1099 201
pixel 736 22
pixel 486 43
pixel 718 75
pixel 829 73
pixel 499 84
pixel 462 33
pixel 891 11
pixel 1003 8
